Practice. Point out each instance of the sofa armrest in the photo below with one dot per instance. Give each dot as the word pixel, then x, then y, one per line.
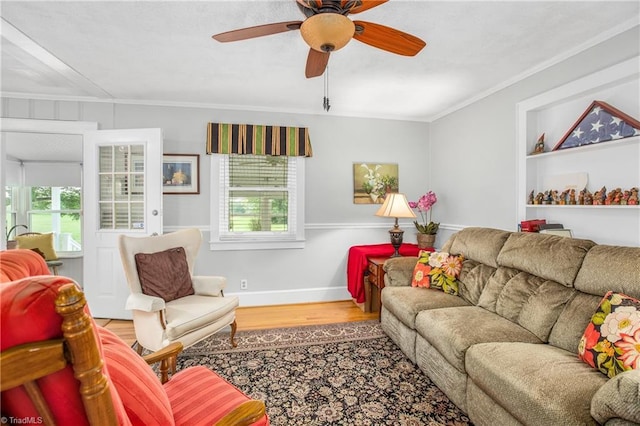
pixel 208 285
pixel 618 400
pixel 399 271
pixel 143 302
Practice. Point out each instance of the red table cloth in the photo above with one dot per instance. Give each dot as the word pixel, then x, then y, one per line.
pixel 357 264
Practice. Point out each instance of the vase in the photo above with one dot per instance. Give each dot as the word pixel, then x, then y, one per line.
pixel 426 240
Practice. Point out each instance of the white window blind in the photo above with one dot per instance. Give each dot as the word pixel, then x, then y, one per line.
pixel 258 201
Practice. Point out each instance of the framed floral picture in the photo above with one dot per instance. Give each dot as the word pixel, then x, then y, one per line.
pixel 181 174
pixel 372 181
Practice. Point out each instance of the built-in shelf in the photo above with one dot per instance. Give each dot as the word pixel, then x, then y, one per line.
pixel 588 148
pixel 609 164
pixel 582 206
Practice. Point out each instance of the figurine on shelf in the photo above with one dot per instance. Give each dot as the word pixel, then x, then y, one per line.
pixel 539 198
pixel 555 198
pixel 600 196
pixel 547 197
pixel 572 197
pixel 617 199
pixel 625 197
pixel 610 196
pixel 564 196
pixel 633 198
pixel 530 199
pixel 588 198
pixel 539 146
pixel 581 196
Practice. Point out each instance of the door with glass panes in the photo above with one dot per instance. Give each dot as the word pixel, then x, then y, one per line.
pixel 122 195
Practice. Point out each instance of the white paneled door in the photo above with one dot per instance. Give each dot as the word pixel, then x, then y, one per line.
pixel 122 194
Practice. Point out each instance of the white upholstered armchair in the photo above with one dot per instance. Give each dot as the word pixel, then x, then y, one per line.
pixel 185 314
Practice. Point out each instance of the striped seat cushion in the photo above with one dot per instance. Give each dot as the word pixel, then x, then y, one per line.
pixel 139 388
pixel 193 406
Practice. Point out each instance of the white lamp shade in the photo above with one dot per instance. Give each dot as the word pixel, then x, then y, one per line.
pixel 395 205
pixel 327 32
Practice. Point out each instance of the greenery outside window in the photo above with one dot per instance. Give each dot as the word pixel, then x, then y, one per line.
pixel 46 209
pixel 257 202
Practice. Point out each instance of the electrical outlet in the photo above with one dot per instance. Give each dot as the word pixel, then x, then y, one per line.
pixel 243 284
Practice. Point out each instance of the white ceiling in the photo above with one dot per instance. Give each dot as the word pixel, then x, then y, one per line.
pixel 161 52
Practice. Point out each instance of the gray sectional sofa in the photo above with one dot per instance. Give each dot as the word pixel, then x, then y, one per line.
pixel 505 348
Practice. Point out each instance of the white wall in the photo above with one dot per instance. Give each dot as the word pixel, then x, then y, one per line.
pixel 334 223
pixel 473 150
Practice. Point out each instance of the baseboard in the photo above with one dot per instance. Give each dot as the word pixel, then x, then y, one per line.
pixel 286 297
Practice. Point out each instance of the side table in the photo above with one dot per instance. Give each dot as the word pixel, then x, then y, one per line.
pixel 374 282
pixel 357 266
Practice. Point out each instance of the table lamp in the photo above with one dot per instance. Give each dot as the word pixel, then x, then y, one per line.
pixel 395 205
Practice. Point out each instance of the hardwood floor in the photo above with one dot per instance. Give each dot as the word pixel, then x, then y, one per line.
pixel 264 317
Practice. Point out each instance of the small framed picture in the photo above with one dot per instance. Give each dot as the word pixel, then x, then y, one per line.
pixel 181 174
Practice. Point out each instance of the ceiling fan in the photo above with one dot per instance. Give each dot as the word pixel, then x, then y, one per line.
pixel 327 29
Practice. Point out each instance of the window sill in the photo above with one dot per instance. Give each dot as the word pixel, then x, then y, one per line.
pixel 255 245
pixel 69 254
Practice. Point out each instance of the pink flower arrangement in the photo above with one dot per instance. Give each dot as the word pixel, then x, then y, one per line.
pixel 424 205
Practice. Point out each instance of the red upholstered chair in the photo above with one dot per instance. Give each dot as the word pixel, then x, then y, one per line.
pixel 21 263
pixel 57 365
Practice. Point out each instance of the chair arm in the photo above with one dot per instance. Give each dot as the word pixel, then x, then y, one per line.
pixel 618 400
pixel 208 285
pixel 244 414
pixel 167 358
pixel 143 302
pixel 399 271
pixel 167 352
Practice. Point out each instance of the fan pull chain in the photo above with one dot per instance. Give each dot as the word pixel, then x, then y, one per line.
pixel 325 102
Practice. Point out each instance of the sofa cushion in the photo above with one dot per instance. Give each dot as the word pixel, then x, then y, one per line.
pixel 550 257
pixel 438 270
pixel 480 244
pixel 406 302
pixel 495 285
pixel 510 373
pixel 610 268
pixel 569 327
pixel 611 341
pixel 453 330
pixel 530 301
pixel 165 274
pixel 473 278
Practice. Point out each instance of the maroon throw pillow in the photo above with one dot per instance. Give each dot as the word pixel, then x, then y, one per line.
pixel 165 274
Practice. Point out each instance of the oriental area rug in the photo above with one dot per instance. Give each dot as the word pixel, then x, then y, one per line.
pixel 342 374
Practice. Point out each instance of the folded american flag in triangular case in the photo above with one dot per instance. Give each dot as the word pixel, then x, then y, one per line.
pixel 599 123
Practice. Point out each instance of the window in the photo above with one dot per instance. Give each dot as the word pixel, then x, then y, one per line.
pixel 48 209
pixel 257 202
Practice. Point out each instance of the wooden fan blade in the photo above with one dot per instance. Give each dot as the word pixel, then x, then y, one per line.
pixel 316 63
pixel 257 31
pixel 366 5
pixel 387 38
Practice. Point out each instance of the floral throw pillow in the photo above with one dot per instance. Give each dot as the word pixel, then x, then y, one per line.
pixel 437 270
pixel 611 341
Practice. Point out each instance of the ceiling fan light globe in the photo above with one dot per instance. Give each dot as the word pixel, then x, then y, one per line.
pixel 327 32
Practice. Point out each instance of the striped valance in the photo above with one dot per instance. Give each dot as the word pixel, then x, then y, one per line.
pixel 258 140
